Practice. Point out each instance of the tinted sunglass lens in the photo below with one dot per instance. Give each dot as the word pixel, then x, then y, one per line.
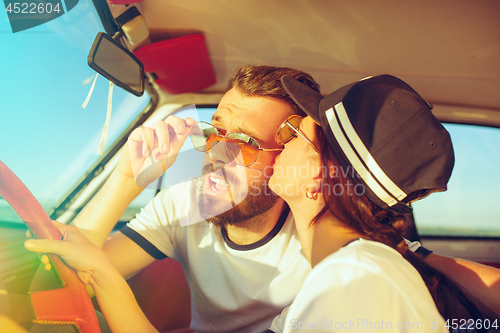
pixel 203 136
pixel 242 148
pixel 286 133
pixel 295 121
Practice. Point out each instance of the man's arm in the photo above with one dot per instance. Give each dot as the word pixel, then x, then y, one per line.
pixel 164 140
pixel 93 267
pixel 102 213
pixel 480 281
pixel 128 257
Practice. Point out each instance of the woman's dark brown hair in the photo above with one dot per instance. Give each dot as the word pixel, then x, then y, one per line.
pixel 353 208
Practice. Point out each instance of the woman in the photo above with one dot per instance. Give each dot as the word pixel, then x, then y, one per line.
pixel 377 148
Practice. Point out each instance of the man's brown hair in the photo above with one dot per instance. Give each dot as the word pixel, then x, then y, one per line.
pixel 266 81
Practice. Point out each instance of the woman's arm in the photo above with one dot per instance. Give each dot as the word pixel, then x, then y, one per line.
pixel 480 281
pixel 93 267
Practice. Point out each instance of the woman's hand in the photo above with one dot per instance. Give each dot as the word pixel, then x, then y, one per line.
pixel 75 250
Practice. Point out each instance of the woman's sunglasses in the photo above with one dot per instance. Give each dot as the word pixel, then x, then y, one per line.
pixel 289 130
pixel 241 148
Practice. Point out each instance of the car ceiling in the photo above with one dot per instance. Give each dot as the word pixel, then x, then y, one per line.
pixel 448 50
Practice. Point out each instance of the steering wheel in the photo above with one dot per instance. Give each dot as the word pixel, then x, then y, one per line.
pixel 71 304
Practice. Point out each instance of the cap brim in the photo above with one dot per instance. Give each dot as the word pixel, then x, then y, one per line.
pixel 306 98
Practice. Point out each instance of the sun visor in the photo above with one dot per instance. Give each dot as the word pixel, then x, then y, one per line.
pixel 181 64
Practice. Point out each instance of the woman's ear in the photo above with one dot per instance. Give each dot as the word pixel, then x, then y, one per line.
pixel 316 174
pixel 316 168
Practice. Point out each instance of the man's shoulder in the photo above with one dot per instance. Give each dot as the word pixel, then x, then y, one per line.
pixel 172 210
pixel 179 203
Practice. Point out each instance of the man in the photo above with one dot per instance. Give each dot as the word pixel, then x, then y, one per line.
pixel 245 265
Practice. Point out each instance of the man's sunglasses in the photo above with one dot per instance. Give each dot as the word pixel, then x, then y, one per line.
pixel 241 148
pixel 289 130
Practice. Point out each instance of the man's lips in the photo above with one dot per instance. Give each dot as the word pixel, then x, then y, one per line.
pixel 215 185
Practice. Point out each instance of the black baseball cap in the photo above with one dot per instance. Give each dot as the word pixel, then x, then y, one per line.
pixel 383 129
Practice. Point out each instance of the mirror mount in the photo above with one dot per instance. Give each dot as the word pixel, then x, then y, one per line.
pixel 117 64
pixel 119 34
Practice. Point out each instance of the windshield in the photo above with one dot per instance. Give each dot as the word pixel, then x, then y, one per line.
pixel 47 139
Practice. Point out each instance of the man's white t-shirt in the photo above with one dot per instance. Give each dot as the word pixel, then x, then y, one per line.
pixel 365 286
pixel 234 288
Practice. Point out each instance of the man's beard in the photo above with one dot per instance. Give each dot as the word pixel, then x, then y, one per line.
pixel 258 200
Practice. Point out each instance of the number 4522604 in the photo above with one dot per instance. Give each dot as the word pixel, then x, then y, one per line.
pixel 32 8
pixel 471 324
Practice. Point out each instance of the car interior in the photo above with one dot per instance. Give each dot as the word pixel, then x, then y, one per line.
pixel 133 63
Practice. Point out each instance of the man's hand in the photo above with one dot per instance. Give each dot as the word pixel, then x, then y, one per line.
pixel 74 249
pixel 93 267
pixel 152 150
pixel 100 215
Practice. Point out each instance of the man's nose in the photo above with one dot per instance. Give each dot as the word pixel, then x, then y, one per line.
pixel 217 156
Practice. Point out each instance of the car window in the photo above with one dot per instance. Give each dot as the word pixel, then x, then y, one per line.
pixel 177 171
pixel 470 206
pixel 46 137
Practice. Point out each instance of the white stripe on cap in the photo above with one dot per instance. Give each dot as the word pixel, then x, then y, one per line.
pixel 374 172
pixel 370 162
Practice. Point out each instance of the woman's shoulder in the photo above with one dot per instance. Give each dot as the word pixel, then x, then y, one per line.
pixel 365 264
pixel 365 280
pixel 362 254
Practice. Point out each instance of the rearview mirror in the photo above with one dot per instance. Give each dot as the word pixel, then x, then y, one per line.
pixel 117 64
